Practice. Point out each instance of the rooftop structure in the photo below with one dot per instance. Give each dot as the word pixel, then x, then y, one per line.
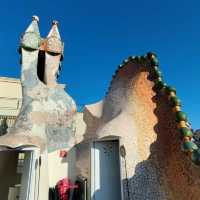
pixel 134 144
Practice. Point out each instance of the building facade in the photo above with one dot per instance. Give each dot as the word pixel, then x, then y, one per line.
pixel 10 102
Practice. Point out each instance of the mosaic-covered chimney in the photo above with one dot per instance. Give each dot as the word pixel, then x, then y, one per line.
pixel 46 116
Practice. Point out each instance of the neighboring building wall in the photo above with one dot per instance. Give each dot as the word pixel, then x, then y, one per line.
pixel 10 102
pixel 10 96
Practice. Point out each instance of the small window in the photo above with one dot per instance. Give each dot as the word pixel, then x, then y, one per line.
pixel 20 163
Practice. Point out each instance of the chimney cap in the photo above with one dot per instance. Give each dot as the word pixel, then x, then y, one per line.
pixel 55 22
pixel 35 18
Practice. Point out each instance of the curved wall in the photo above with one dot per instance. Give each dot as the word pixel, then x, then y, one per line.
pixel 145 124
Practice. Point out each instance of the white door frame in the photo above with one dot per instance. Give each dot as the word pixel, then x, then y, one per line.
pixel 92 160
pixel 29 193
pixel 92 151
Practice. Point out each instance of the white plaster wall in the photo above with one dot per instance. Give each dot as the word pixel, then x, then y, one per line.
pixel 42 177
pixel 60 168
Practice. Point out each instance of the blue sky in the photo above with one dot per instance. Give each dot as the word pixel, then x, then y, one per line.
pixel 98 35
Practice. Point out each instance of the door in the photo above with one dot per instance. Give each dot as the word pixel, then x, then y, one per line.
pixel 105 171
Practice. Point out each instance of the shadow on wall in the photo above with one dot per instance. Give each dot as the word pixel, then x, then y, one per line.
pixel 92 123
pixel 144 185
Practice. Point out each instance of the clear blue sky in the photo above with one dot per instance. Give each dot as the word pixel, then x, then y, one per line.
pixel 98 35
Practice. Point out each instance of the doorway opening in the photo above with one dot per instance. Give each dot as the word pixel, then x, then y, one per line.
pixel 17 172
pixel 105 170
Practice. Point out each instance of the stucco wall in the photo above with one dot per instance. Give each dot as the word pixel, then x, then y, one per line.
pixel 146 126
pixel 109 118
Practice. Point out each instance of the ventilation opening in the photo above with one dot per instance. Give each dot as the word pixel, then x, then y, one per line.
pixel 41 66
